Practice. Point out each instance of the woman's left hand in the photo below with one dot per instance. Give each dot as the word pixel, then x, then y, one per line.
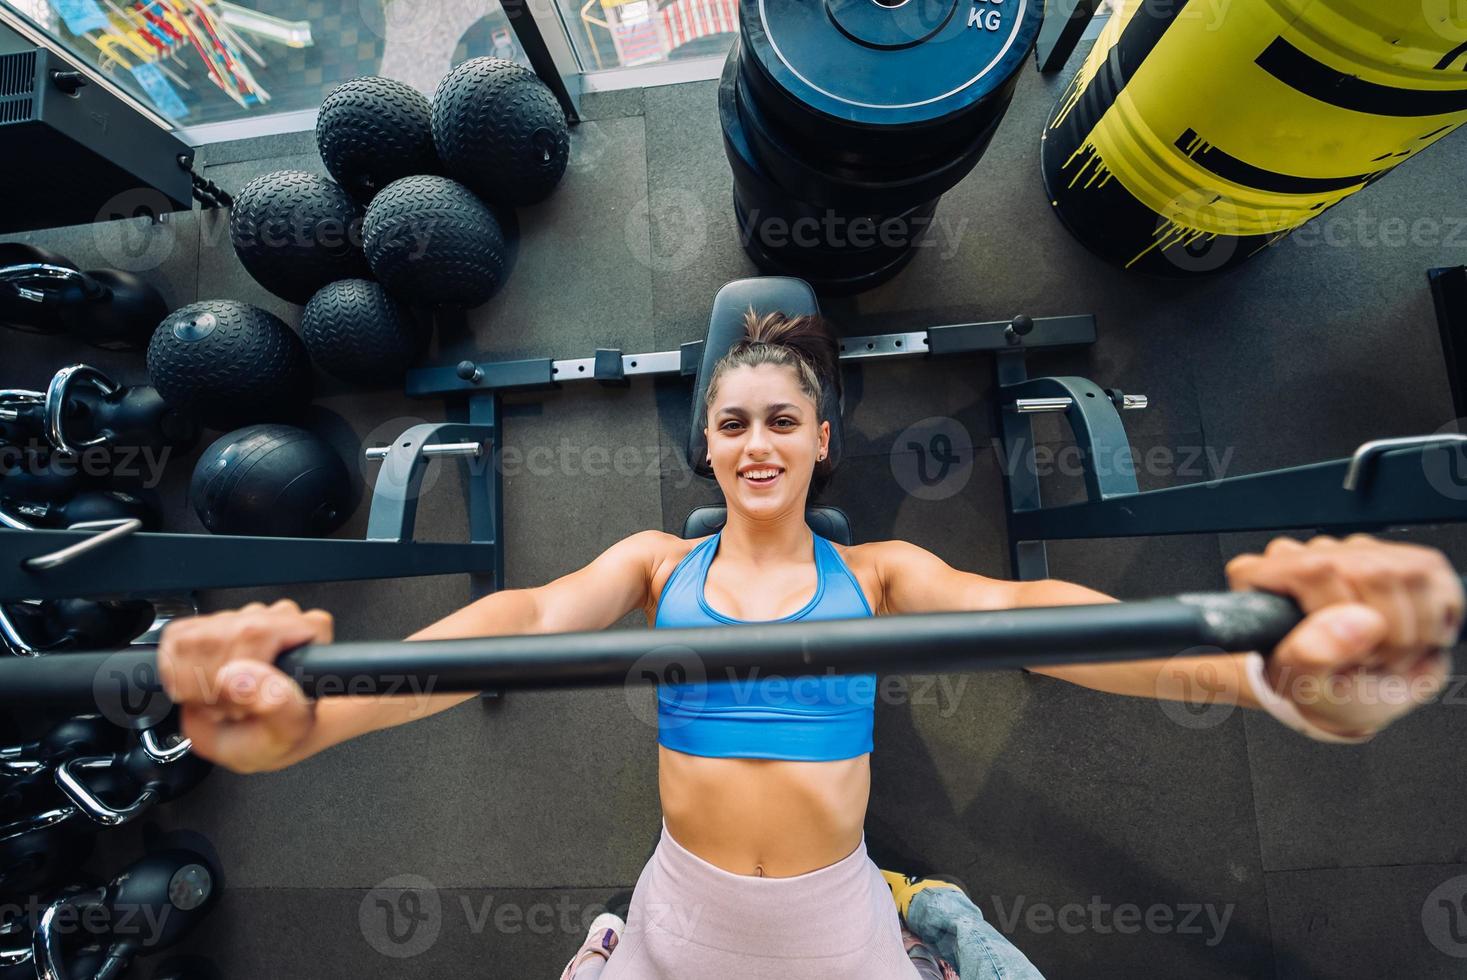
pixel 1376 642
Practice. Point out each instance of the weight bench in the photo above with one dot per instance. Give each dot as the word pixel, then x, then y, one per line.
pixel 1386 483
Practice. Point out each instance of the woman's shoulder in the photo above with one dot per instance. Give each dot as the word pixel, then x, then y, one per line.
pixel 870 553
pixel 864 561
pixel 666 552
pixel 663 545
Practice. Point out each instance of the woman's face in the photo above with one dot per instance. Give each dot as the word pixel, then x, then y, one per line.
pixel 764 439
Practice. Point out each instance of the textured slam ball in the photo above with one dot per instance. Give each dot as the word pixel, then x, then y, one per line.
pixel 431 242
pixel 356 332
pixel 229 364
pixel 295 232
pixel 499 129
pixel 274 480
pixel 373 130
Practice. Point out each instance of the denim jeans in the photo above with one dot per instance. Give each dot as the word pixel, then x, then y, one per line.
pixel 951 925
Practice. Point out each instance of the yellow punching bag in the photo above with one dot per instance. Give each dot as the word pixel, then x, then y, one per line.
pixel 1198 132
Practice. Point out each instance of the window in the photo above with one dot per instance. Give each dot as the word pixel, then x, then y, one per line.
pixel 627 33
pixel 208 61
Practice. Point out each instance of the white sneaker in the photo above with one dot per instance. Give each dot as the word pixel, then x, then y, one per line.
pixel 605 933
pixel 601 940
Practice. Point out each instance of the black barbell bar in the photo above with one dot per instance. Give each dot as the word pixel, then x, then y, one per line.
pixel 1192 624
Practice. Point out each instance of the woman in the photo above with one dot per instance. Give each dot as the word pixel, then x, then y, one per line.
pixel 761 869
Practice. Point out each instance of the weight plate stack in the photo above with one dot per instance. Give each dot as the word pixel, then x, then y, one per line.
pixel 844 121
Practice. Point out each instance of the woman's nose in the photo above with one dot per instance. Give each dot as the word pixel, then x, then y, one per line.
pixel 758 439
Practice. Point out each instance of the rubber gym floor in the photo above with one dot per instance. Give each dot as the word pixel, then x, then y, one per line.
pixel 1106 836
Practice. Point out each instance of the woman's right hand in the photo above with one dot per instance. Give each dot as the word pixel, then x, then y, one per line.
pixel 239 710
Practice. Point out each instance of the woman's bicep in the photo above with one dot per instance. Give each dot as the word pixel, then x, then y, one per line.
pixel 617 582
pixel 914 580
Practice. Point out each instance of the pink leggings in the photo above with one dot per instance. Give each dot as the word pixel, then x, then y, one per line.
pixel 690 920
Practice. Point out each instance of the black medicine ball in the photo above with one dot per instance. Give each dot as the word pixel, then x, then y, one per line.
pixel 356 332
pixel 373 130
pixel 229 364
pixel 431 242
pixel 294 232
pixel 274 480
pixel 500 130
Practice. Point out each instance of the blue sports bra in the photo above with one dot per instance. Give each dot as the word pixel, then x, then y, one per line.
pixel 805 719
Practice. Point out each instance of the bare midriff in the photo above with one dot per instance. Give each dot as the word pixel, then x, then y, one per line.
pixel 764 817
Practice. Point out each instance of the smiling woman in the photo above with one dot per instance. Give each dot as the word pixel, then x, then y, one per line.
pixel 762 868
pixel 774 343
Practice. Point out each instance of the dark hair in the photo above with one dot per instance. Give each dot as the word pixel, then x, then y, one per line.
pixel 808 344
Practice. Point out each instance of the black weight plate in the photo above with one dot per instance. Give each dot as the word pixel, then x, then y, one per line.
pixel 824 251
pixel 849 182
pixel 759 189
pixel 779 222
pixel 844 279
pixel 865 65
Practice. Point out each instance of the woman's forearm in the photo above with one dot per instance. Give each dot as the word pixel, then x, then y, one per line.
pixel 1215 678
pixel 340 719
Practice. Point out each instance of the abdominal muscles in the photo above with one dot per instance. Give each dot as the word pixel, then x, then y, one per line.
pixel 764 817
